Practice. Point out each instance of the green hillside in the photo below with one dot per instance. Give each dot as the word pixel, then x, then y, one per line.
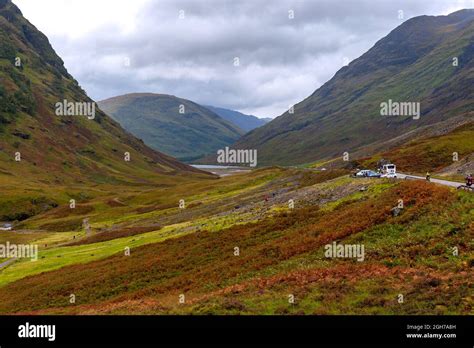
pixel 414 63
pixel 175 126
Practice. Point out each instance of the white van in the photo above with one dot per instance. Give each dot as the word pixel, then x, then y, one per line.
pixel 389 171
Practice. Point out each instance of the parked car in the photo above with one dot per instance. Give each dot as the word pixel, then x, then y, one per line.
pixel 366 173
pixel 362 173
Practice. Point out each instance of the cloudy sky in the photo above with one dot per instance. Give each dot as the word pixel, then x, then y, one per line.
pixel 255 56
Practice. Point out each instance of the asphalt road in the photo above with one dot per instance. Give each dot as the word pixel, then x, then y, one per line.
pixel 437 181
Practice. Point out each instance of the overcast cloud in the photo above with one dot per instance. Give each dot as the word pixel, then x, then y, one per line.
pixel 114 47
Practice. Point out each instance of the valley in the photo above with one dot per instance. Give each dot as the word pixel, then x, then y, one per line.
pixel 281 225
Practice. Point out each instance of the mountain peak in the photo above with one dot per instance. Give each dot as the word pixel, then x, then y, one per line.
pixel 8 5
pixel 464 13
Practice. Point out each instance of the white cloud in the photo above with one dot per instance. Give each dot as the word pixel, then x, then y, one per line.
pixel 80 18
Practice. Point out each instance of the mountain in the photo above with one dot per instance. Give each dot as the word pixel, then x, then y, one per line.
pixel 243 121
pixel 39 142
pixel 156 119
pixel 416 62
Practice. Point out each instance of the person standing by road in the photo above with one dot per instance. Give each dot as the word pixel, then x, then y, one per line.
pixel 469 180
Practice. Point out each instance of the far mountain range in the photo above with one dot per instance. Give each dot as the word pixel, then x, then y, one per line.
pixel 243 121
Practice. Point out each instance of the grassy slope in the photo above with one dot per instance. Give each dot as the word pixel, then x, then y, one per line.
pixel 137 220
pixel 431 154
